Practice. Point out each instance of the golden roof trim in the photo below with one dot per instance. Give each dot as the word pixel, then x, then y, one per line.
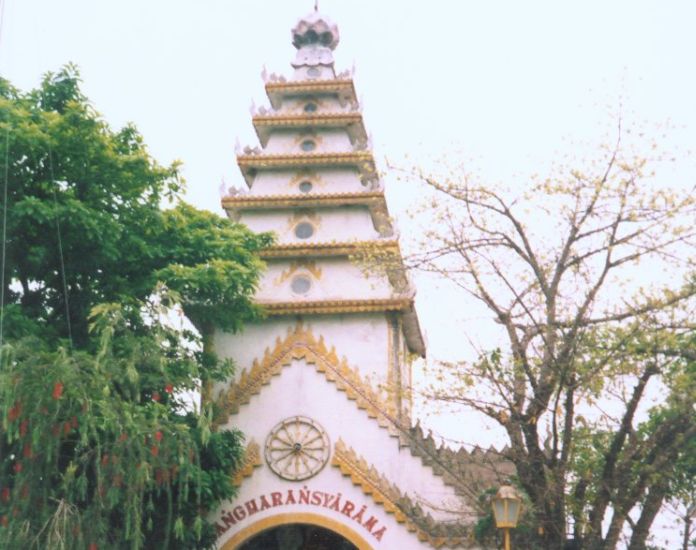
pixel 333 248
pixel 467 472
pixel 308 86
pixel 306 119
pixel 325 199
pixel 250 461
pixel 305 159
pixel 404 510
pixel 300 343
pixel 336 306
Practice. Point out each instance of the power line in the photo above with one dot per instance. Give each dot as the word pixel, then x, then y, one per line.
pixel 60 245
pixel 4 232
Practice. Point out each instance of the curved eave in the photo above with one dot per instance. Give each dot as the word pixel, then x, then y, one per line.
pixel 300 250
pixel 323 307
pixel 342 88
pixel 362 161
pixel 352 122
pixel 274 202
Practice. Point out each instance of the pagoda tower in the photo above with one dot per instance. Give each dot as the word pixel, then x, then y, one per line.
pixel 322 388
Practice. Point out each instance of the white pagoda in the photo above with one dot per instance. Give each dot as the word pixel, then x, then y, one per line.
pixel 322 389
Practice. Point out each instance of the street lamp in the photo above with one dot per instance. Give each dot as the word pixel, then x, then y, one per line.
pixel 506 510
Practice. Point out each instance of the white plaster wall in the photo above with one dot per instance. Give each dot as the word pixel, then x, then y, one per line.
pixel 327 140
pixel 332 279
pixel 346 223
pixel 325 73
pixel 324 180
pixel 301 390
pixel 360 338
pixel 326 104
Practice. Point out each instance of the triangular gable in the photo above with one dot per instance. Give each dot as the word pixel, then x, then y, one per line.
pixel 461 470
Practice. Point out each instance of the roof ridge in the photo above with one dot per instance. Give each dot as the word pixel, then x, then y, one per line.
pixel 375 484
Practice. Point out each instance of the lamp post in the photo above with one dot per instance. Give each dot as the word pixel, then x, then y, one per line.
pixel 506 510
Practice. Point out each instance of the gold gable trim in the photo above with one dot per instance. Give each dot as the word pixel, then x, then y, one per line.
pixel 466 472
pixel 300 344
pixel 250 461
pixel 405 511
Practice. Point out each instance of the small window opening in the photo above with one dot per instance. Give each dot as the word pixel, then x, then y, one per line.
pixel 304 230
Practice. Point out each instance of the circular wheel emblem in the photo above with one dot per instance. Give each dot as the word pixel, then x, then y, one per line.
pixel 297 448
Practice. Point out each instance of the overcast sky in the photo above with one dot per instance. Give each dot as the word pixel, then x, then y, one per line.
pixel 500 82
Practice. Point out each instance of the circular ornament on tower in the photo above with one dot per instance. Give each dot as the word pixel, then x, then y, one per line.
pixel 297 448
pixel 304 230
pixel 301 284
pixel 308 145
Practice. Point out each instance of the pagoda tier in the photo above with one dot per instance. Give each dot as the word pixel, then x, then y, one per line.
pixel 373 200
pixel 360 161
pixel 352 122
pixel 281 91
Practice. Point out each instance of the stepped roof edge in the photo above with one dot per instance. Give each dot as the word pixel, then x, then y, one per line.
pixel 253 160
pixel 265 123
pixel 278 88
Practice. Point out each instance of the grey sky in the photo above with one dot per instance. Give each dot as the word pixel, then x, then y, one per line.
pixel 502 82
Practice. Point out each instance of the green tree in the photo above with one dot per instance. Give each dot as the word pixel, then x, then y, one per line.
pixel 99 446
pixel 553 264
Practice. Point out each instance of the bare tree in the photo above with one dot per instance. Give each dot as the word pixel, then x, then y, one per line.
pixel 558 267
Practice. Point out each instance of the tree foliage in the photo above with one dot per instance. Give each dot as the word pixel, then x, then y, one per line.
pixel 566 268
pixel 99 445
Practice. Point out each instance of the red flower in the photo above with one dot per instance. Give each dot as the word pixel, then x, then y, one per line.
pixel 73 422
pixel 168 388
pixel 123 437
pixel 67 428
pixel 27 451
pixel 105 460
pixel 156 396
pixel 154 450
pixel 5 495
pixel 158 436
pixel 14 411
pixel 93 546
pixel 17 467
pixel 4 521
pixel 23 428
pixel 57 390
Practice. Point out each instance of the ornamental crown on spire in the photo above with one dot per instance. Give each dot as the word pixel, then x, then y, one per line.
pixel 315 29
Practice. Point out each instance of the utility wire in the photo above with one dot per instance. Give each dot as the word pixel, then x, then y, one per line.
pixel 60 245
pixel 2 16
pixel 4 234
